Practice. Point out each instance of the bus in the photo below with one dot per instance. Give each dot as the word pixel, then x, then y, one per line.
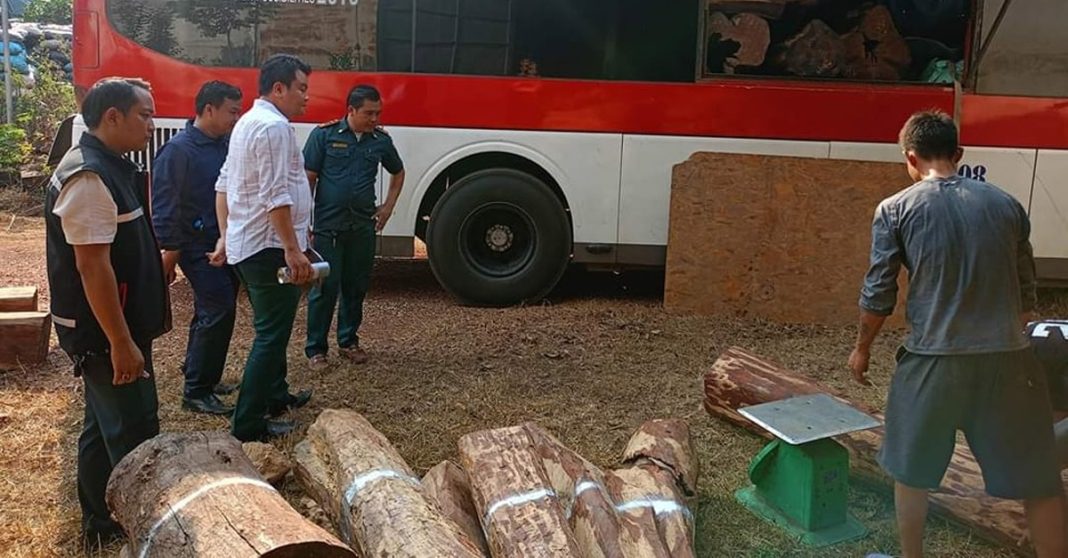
pixel 538 134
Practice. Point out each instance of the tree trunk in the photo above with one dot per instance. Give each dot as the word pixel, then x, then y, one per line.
pixel 198 495
pixel 740 379
pixel 520 512
pixel 666 443
pixel 447 486
pixel 648 498
pixel 365 486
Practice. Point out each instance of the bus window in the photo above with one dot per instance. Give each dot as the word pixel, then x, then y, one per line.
pixel 1028 53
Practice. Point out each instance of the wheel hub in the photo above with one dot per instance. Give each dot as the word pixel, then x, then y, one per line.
pixel 499 238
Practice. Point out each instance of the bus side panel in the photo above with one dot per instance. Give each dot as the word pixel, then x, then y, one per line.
pixel 586 167
pixel 1049 209
pixel 645 192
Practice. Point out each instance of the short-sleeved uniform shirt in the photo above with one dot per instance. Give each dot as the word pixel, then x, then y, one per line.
pixel 347 165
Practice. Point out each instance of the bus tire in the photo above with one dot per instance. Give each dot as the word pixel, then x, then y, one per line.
pixel 498 237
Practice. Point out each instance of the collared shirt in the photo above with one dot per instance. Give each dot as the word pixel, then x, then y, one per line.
pixel 347 165
pixel 966 246
pixel 184 174
pixel 264 170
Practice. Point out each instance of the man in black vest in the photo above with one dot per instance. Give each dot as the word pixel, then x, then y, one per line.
pixel 105 277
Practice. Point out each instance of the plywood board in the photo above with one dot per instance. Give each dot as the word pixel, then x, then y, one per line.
pixel 785 239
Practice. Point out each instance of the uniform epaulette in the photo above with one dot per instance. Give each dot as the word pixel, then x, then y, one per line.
pixel 381 130
pixel 330 124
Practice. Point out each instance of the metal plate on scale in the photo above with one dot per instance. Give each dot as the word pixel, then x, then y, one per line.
pixel 808 418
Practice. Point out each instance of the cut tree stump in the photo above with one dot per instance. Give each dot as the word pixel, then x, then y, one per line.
pixel 771 9
pixel 364 485
pixel 24 338
pixel 198 495
pixel 18 299
pixel 875 50
pixel 749 32
pixel 447 486
pixel 739 378
pixel 817 51
pixel 520 512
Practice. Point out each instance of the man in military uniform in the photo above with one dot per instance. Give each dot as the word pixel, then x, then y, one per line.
pixel 342 159
pixel 109 298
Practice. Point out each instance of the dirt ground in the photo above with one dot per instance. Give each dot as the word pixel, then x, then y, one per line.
pixel 591 366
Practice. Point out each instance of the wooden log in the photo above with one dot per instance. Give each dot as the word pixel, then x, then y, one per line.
pixel 667 444
pixel 18 299
pixel 23 338
pixel 875 50
pixel 816 51
pixel 650 503
pixel 771 9
pixel 271 463
pixel 749 32
pixel 447 486
pixel 361 481
pixel 739 378
pixel 520 512
pixel 197 494
pixel 599 529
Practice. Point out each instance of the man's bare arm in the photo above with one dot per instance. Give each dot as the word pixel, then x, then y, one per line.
pixel 867 331
pixel 299 266
pixel 102 292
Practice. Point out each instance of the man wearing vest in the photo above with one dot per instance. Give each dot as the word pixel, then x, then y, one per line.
pixel 109 298
pixel 264 207
pixel 183 212
pixel 342 159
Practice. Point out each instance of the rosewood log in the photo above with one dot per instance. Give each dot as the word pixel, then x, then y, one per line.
pixel 198 495
pixel 749 32
pixel 368 490
pixel 447 486
pixel 739 378
pixel 23 338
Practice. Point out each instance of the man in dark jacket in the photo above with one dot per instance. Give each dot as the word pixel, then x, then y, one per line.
pixel 183 213
pixel 108 296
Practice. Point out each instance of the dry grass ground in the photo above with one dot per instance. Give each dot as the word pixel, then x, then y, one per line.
pixel 591 366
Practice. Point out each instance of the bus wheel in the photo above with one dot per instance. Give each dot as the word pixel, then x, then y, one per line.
pixel 498 237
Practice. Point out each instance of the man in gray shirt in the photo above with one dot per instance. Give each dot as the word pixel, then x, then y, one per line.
pixel 966 364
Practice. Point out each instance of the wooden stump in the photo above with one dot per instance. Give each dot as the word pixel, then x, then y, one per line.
pixel 18 299
pixel 520 512
pixel 749 32
pixel 875 50
pixel 740 379
pixel 23 338
pixel 365 486
pixel 447 486
pixel 198 495
pixel 817 51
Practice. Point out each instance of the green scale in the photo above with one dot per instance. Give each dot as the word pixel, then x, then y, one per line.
pixel 801 479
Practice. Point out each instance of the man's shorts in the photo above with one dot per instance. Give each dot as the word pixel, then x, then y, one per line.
pixel 999 400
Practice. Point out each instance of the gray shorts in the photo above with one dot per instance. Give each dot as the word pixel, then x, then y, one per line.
pixel 1001 403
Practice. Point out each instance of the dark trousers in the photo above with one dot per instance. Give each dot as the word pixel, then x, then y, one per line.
pixel 351 255
pixel 117 420
pixel 214 311
pixel 274 307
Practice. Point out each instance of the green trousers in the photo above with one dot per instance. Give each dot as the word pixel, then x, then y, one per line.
pixel 274 307
pixel 351 255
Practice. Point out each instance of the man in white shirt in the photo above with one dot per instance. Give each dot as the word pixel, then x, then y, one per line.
pixel 264 208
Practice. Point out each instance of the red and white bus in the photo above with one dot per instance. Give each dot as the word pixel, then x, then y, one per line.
pixel 512 177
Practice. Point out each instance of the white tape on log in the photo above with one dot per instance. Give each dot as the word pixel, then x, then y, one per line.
pixel 363 481
pixel 659 507
pixel 517 500
pixel 173 511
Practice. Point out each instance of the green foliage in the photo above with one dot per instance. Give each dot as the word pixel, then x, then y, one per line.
pixel 48 11
pixel 13 147
pixel 40 110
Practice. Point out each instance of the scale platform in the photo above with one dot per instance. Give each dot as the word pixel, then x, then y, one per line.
pixel 808 418
pixel 800 480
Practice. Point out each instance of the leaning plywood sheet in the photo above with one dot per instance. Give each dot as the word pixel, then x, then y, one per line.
pixel 740 379
pixel 780 238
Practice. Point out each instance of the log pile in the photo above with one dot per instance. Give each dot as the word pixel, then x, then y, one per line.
pixel 739 379
pixel 197 494
pixel 517 492
pixel 24 331
pixel 867 47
